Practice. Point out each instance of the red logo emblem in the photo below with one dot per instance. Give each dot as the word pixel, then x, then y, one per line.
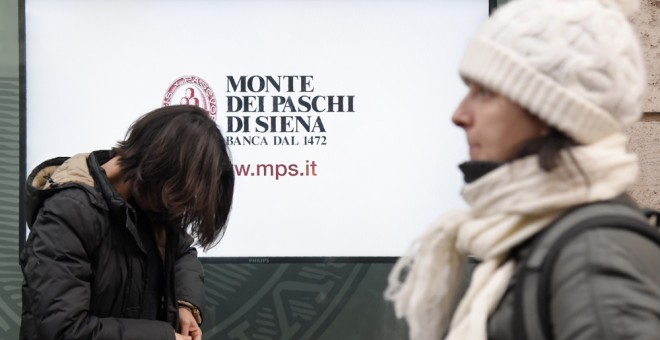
pixel 191 90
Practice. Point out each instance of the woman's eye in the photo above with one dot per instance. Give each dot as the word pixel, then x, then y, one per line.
pixel 484 92
pixel 479 91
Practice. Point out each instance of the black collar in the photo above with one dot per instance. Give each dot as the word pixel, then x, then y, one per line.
pixel 473 170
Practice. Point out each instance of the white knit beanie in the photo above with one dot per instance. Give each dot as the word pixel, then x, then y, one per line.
pixel 576 64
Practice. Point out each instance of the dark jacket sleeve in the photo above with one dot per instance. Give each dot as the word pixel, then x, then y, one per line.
pixel 606 285
pixel 57 274
pixel 189 273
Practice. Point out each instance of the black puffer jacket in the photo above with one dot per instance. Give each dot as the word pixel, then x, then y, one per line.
pixel 84 265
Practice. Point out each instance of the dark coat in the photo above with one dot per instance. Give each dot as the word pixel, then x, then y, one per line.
pixel 605 285
pixel 84 265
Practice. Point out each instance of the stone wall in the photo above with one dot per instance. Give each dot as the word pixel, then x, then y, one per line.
pixel 646 22
pixel 645 135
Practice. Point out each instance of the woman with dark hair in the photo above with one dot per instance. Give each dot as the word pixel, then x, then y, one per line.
pixel 109 255
pixel 551 86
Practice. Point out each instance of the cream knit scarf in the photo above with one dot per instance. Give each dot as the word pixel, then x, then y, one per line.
pixel 508 205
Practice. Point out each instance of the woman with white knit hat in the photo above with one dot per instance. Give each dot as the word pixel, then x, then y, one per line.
pixel 551 86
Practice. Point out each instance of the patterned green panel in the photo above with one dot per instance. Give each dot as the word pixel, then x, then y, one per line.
pixel 319 301
pixel 10 274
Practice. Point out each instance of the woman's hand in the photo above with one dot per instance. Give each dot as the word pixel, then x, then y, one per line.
pixel 178 336
pixel 189 326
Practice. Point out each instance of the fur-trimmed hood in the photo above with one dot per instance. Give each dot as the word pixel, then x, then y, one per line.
pixel 81 171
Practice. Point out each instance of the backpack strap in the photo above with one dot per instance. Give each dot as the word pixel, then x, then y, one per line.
pixel 653 217
pixel 531 312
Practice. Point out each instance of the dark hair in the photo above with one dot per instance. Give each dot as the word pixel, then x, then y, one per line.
pixel 548 149
pixel 178 163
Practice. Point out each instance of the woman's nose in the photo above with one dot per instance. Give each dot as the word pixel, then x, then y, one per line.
pixel 462 116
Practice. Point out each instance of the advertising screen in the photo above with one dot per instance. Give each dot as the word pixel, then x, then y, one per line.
pixel 337 114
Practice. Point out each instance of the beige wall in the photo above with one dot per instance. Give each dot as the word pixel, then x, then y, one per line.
pixel 645 135
pixel 646 23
